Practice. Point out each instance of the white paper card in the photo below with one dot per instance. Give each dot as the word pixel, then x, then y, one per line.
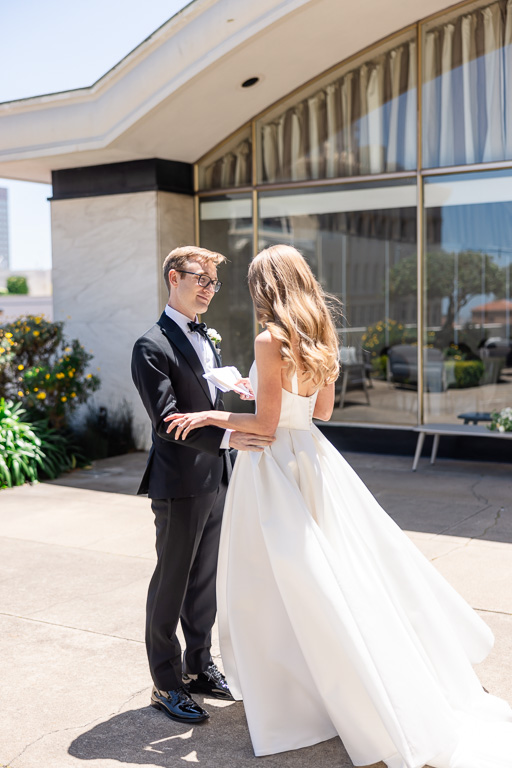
pixel 225 378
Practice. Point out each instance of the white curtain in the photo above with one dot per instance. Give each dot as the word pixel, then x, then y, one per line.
pixel 447 138
pixel 469 87
pixel 364 122
pixel 234 169
pixel 354 125
pixel 467 92
pixel 395 71
pixel 409 123
pixel 376 126
pixel 493 57
pixel 508 80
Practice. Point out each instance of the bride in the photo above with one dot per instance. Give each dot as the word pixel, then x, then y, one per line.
pixel 331 621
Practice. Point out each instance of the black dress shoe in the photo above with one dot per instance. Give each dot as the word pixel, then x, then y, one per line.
pixel 178 705
pixel 211 682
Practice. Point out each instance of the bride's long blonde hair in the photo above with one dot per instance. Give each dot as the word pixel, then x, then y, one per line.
pixel 293 306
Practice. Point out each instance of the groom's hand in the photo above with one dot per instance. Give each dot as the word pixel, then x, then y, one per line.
pixel 244 441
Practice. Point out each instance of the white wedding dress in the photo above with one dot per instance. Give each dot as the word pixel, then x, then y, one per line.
pixel 332 622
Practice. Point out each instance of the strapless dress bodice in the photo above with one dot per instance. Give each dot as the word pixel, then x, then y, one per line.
pixel 296 410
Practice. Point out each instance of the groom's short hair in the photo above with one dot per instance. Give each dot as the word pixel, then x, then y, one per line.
pixel 178 258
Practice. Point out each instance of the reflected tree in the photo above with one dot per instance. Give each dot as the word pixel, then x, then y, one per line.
pixel 457 277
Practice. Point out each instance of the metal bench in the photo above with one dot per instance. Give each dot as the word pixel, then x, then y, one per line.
pixel 455 430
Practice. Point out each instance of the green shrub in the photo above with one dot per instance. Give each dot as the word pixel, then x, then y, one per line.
pixel 20 447
pixel 467 373
pixel 60 454
pixel 380 366
pixel 17 284
pixel 29 452
pixel 39 367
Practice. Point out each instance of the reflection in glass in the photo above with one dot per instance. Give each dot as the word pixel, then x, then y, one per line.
pixel 468 291
pixel 362 121
pixel 226 227
pixel 355 240
pixel 467 90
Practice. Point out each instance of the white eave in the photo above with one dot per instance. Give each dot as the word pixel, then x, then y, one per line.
pixel 179 92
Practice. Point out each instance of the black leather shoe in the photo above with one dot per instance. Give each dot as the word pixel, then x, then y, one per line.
pixel 178 705
pixel 211 682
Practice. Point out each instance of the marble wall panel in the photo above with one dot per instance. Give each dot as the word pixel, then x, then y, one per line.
pixel 107 257
pixel 175 227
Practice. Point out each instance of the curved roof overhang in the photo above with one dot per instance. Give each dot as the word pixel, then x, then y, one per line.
pixel 179 93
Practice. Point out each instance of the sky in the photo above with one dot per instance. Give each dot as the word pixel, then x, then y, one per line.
pixel 57 45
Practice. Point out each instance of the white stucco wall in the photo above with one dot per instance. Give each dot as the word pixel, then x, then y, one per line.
pixel 107 285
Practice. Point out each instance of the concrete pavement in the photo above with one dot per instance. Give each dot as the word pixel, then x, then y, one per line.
pixel 77 555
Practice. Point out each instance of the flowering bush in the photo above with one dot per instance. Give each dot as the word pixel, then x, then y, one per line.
pixel 386 333
pixel 501 420
pixel 44 371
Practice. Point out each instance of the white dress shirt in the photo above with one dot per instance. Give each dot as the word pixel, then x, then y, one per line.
pixel 204 352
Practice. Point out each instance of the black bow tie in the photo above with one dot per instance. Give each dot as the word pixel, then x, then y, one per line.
pixel 198 328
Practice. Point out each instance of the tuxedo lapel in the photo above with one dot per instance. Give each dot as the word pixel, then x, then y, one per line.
pixel 180 341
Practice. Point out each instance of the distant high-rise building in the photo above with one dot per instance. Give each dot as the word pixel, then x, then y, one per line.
pixel 4 230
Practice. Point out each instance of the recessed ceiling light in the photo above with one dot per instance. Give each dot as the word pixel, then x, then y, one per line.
pixel 250 82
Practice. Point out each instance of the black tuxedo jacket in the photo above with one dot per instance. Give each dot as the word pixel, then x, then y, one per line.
pixel 169 377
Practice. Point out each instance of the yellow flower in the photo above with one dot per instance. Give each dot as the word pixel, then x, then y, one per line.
pixel 73 394
pixel 70 374
pixel 41 396
pixel 60 375
pixel 36 389
pixel 2 350
pixel 35 333
pixel 47 376
pixel 89 376
pixel 20 393
pixel 38 320
pixel 9 335
pixel 20 367
pixel 63 399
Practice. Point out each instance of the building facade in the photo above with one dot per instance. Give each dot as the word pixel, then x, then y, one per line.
pixel 379 144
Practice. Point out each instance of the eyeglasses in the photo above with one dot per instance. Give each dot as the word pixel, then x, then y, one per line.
pixel 203 280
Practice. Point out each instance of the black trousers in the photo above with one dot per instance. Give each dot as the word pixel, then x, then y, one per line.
pixel 183 585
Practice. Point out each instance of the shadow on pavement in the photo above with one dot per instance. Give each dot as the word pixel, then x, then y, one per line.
pixel 117 474
pixel 147 737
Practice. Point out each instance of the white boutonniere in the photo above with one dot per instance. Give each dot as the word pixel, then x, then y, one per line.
pixel 214 336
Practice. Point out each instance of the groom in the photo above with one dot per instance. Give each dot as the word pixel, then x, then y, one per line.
pixel 186 481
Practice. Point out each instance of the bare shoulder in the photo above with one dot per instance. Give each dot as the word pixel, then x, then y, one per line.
pixel 265 345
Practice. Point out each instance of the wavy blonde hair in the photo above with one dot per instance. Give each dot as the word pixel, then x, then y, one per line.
pixel 293 306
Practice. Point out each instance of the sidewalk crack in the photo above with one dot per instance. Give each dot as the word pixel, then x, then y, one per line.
pixel 497 517
pixel 76 727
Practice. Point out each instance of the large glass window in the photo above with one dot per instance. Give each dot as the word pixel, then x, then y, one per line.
pixel 468 287
pixel 467 87
pixel 355 239
pixel 360 120
pixel 226 227
pixel 359 235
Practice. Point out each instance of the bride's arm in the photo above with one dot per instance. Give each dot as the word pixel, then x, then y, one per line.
pixel 265 421
pixel 324 405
